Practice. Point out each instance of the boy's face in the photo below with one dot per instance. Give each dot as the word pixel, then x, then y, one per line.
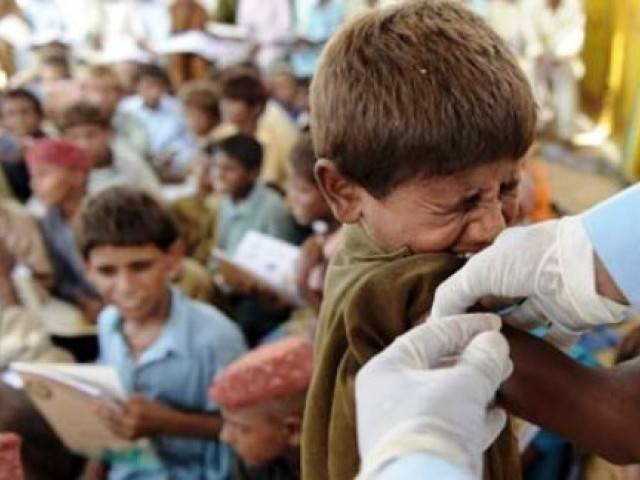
pixel 19 117
pixel 257 437
pixel 134 279
pixel 459 213
pixel 229 176
pixel 102 94
pixel 198 121
pixel 93 139
pixel 49 74
pixel 151 90
pixel 307 202
pixel 237 112
pixel 285 88
pixel 52 184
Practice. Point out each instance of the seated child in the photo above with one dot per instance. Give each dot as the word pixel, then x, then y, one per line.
pixel 59 172
pixel 111 164
pixel 163 119
pixel 283 86
pixel 201 106
pixel 261 396
pixel 420 116
pixel 247 204
pixel 166 348
pixel 103 88
pixel 245 104
pixel 310 209
pixel 21 117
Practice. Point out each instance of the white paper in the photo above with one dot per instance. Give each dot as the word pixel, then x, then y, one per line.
pixel 270 260
pixel 69 395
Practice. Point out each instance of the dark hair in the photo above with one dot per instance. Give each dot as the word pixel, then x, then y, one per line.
pixel 22 94
pixel 203 96
pixel 59 62
pixel 83 113
pixel 155 72
pixel 422 89
pixel 303 158
pixel 124 217
pixel 245 87
pixel 243 148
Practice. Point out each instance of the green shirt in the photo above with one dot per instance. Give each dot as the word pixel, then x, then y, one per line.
pixel 263 210
pixel 371 296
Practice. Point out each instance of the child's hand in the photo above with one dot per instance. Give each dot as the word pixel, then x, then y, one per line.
pixel 239 282
pixel 140 417
pixel 311 257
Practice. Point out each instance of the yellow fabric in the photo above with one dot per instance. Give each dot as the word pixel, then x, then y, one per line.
pixel 371 296
pixel 5 189
pixel 22 237
pixel 611 86
pixel 196 217
pixel 277 134
pixel 194 281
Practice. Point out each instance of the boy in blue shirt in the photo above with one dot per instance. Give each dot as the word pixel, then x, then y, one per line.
pixel 166 348
pixel 248 205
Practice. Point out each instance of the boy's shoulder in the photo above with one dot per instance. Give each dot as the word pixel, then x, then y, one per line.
pixel 204 324
pixel 208 321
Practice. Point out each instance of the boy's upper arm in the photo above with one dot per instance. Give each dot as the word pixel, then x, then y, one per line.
pixel 388 302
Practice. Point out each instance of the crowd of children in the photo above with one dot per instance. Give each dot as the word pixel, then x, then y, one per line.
pixel 409 150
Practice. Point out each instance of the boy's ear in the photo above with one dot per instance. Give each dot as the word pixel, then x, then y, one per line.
pixel 343 196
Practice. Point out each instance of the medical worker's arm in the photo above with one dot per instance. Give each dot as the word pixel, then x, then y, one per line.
pixel 594 408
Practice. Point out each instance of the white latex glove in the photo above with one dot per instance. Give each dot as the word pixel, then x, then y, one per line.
pixel 551 264
pixel 408 400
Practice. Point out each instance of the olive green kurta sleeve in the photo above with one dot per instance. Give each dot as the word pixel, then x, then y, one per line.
pixel 371 296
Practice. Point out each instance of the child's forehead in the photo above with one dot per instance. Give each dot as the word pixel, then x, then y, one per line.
pixel 117 254
pixel 477 177
pixel 18 102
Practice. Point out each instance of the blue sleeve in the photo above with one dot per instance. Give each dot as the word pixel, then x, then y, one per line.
pixel 614 230
pixel 423 466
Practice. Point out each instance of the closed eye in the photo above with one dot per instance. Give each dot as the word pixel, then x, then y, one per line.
pixel 470 202
pixel 509 187
pixel 106 271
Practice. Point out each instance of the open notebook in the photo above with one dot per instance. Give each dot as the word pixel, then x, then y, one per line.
pixel 265 260
pixel 68 396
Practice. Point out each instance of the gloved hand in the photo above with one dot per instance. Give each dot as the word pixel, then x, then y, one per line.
pixel 408 400
pixel 551 264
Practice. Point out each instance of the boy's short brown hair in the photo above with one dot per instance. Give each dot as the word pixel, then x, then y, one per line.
pixel 105 74
pixel 246 87
pixel 124 217
pixel 422 89
pixel 203 96
pixel 81 114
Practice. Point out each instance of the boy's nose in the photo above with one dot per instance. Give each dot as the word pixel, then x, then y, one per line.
pixel 124 283
pixel 489 225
